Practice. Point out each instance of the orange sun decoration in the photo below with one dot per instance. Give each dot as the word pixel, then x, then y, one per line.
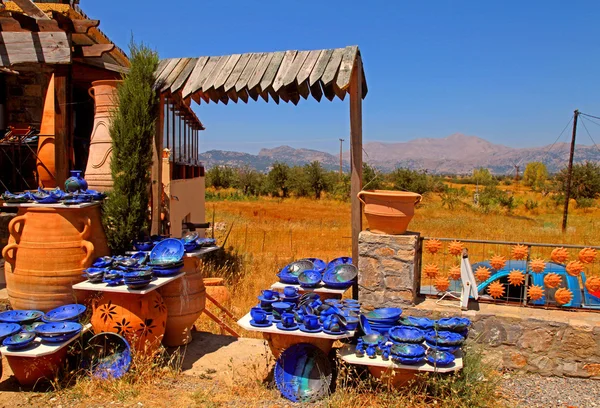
pixel 563 296
pixel 498 262
pixel 552 280
pixel 454 273
pixel 455 248
pixel 433 246
pixel 559 255
pixel 482 274
pixel 496 289
pixel 574 268
pixel 593 284
pixel 535 292
pixel 537 265
pixel 587 255
pixel 442 284
pixel 431 271
pixel 519 252
pixel 516 277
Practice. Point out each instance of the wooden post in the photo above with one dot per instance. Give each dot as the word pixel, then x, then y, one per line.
pixel 62 122
pixel 341 147
pixel 570 172
pixel 356 158
pixel 156 175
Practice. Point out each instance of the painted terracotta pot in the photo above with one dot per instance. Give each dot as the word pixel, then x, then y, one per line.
pixel 47 252
pixel 185 300
pixel 45 165
pixel 389 212
pixel 141 319
pixel 31 370
pixel 97 172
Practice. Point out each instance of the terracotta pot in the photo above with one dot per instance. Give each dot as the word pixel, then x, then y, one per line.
pixel 215 288
pixel 97 172
pixel 396 378
pixel 141 319
pixel 45 164
pixel 278 343
pixel 185 299
pixel 389 212
pixel 31 370
pixel 47 252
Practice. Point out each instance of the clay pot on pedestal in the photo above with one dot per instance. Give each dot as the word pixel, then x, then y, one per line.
pixel 185 300
pixel 141 319
pixel 389 212
pixel 47 252
pixel 45 163
pixel 97 172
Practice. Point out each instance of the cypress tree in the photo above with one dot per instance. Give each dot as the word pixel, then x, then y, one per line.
pixel 126 210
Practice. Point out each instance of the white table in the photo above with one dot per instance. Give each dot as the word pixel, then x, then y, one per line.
pixel 38 348
pixel 103 287
pixel 194 254
pixel 319 289
pixel 244 322
pixel 55 205
pixel 347 354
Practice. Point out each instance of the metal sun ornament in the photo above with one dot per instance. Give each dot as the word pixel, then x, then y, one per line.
pixel 537 265
pixel 563 296
pixel 455 248
pixel 454 272
pixel 520 252
pixel 593 284
pixel 498 262
pixel 516 277
pixel 587 255
pixel 496 290
pixel 574 268
pixel 552 280
pixel 535 292
pixel 442 284
pixel 431 271
pixel 482 274
pixel 433 246
pixel 559 255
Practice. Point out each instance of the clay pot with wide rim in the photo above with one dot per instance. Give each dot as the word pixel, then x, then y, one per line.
pixel 97 172
pixel 185 299
pixel 388 211
pixel 47 252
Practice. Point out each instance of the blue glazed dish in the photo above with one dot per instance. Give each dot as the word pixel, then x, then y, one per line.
pixel 107 355
pixel 422 323
pixel 319 264
pixel 30 327
pixel 206 242
pixel 103 262
pixel 373 339
pixel 19 340
pixel 303 373
pixel 407 350
pixel 449 349
pixel 57 329
pixel 169 250
pixel 444 338
pixel 439 358
pixel 406 334
pixel 8 329
pixel 189 246
pixel 60 338
pixel 385 314
pixel 20 316
pixel 408 360
pixel 94 275
pixel 143 245
pixel 65 313
pixel 296 267
pixel 287 278
pixel 141 257
pixel 160 272
pixel 191 236
pixel 309 278
pixel 339 261
pixel 340 275
pixel 453 324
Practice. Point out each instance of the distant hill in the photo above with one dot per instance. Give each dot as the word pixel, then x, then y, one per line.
pixel 456 154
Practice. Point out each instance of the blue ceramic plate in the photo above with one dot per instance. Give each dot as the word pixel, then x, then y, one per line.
pixel 449 349
pixel 206 242
pixel 167 272
pixel 374 339
pixel 60 338
pixel 408 360
pixel 309 278
pixel 189 246
pixel 303 328
pixel 191 236
pixel 267 323
pixel 143 245
pixel 303 373
pixel 439 358
pixel 167 251
pixel 406 334
pixel 339 261
pixel 384 314
pixel 139 275
pixel 419 322
pixel 444 338
pixel 107 355
pixel 141 257
pixel 20 316
pixel 287 278
pixel 64 313
pixel 365 325
pixel 344 273
pixel 19 340
pixel 8 329
pixel 319 264
pixel 336 333
pixel 298 266
pixel 102 262
pixel 407 350
pixel 138 285
pixel 57 329
pixel 280 326
pixel 30 327
pixel 454 324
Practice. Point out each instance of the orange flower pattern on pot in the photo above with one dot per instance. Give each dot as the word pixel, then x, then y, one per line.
pixel 559 255
pixel 516 277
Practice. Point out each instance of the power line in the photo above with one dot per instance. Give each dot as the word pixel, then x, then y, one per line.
pixel 593 121
pixel 591 138
pixel 591 116
pixel 557 139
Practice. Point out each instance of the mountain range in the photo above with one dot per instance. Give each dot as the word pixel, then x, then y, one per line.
pixel 455 154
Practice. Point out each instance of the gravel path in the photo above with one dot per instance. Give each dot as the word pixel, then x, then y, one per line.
pixel 536 391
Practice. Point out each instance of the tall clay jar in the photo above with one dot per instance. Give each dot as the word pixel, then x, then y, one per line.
pixel 97 172
pixel 45 163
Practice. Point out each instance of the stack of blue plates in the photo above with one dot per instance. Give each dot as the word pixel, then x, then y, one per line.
pixel 382 320
pixel 168 269
pixel 113 277
pixel 340 276
pixel 422 323
pixel 408 353
pixel 20 316
pixel 138 279
pixel 8 329
pixel 58 332
pixel 66 313
pixel 94 275
pixel 19 340
pixel 444 340
pixel 406 334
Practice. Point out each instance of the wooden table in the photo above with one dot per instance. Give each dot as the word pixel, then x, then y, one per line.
pixel 103 287
pixel 324 293
pixel 38 348
pixel 279 340
pixel 197 253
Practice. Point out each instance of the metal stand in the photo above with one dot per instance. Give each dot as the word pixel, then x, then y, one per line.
pixel 469 285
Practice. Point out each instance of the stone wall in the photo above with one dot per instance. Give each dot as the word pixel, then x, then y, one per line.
pixel 25 96
pixel 388 269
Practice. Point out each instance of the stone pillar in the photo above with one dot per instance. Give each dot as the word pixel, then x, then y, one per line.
pixel 388 269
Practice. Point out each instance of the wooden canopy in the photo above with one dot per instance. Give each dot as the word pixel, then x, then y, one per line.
pixel 282 75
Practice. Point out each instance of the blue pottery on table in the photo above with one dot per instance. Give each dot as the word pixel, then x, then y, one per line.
pixel 340 276
pixel 444 338
pixel 167 251
pixel 103 262
pixel 423 323
pixel 189 246
pixel 408 360
pixel 439 358
pixel 385 314
pixel 94 275
pixel 406 334
pixel 453 324
pixel 65 313
pixel 58 332
pixel 191 236
pixel 309 278
pixel 319 264
pixel 31 327
pixel 8 329
pixel 20 316
pixel 143 245
pixel 408 350
pixel 19 340
pixel 339 261
pixel 75 182
pixel 260 318
pixel 288 322
pixel 449 349
pixel 303 373
pixel 290 291
pixel 279 308
pixel 206 242
pixel 107 355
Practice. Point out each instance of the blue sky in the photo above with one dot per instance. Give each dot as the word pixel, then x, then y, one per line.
pixel 511 72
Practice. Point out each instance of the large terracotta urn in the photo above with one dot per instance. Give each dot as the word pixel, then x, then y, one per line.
pixel 216 289
pixel 185 299
pixel 387 211
pixel 97 172
pixel 141 319
pixel 30 371
pixel 47 251
pixel 45 163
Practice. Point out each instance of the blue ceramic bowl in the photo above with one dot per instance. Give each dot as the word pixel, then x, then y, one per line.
pixel 340 275
pixel 57 329
pixel 191 236
pixel 30 327
pixel 444 338
pixel 143 245
pixel 169 250
pixel 420 322
pixel 157 238
pixel 20 316
pixel 190 246
pixel 107 355
pixel 43 198
pixel 65 313
pixel 309 278
pixel 167 271
pixel 351 323
pixel 138 275
pixel 287 278
pixel 94 275
pixel 296 267
pixel 372 339
pixel 406 334
pixel 339 261
pixel 137 285
pixel 384 314
pixel 319 264
pixel 59 338
pixel 206 242
pixel 303 373
pixel 407 350
pixel 282 307
pixel 439 358
pixel 19 340
pixel 103 262
pixel 8 329
pixel 408 360
pixel 453 324
pixel 141 257
pixel 449 349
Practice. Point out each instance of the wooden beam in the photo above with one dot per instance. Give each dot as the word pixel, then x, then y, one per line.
pixel 31 9
pixel 84 26
pixel 96 50
pixel 10 24
pixel 185 74
pixel 320 67
pixel 242 81
pixel 43 47
pixel 333 66
pixel 343 78
pixel 196 77
pixel 288 60
pixel 101 64
pixel 356 158
pixel 175 73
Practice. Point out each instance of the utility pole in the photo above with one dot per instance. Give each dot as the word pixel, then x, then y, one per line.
pixel 341 171
pixel 570 172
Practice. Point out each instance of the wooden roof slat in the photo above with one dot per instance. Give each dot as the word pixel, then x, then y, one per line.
pixel 161 66
pixel 237 71
pixel 271 71
pixel 247 72
pixel 184 75
pixel 316 91
pixel 210 81
pixel 288 60
pixel 274 95
pixel 31 9
pixel 226 71
pixel 207 71
pixel 165 73
pixel 195 76
pixel 95 50
pixel 260 70
pixel 290 75
pixel 333 66
pixel 10 24
pixel 320 66
pixel 308 66
pixel 345 71
pixel 304 90
pixel 174 73
pixel 328 91
pixel 43 47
